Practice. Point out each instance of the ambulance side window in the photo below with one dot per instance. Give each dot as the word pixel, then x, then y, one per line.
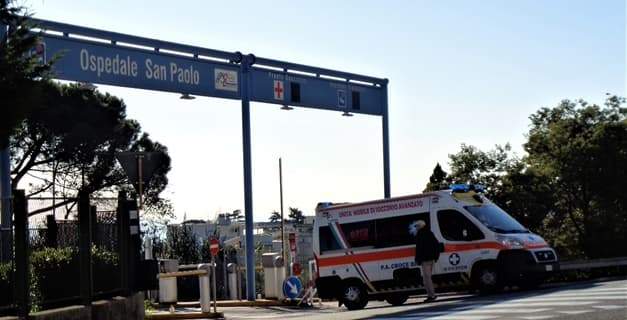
pixel 359 234
pixel 399 231
pixel 327 240
pixel 456 227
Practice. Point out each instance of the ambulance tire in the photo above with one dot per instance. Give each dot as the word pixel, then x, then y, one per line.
pixel 486 279
pixel 355 295
pixel 397 299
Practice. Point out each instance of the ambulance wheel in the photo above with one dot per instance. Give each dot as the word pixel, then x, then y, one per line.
pixel 396 299
pixel 355 295
pixel 487 279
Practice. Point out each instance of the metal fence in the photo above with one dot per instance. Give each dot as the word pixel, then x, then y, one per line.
pixel 71 254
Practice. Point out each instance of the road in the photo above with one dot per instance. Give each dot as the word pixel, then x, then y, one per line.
pixel 589 300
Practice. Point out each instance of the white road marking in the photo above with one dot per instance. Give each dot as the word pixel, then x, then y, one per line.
pixel 529 304
pixel 610 307
pixel 586 293
pixel 502 310
pixel 536 317
pixel 573 312
pixel 441 317
pixel 547 298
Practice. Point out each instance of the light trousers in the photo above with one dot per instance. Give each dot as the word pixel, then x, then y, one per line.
pixel 427 271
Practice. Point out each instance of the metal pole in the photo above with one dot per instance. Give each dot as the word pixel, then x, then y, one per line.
pixel 6 241
pixel 213 283
pixel 248 185
pixel 7 214
pixel 140 173
pixel 386 143
pixel 85 241
pixel 22 274
pixel 283 253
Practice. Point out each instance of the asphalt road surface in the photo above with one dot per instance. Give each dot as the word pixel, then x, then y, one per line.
pixel 589 300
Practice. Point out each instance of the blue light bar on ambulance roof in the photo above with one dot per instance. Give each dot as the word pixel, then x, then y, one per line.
pixel 466 187
pixel 459 188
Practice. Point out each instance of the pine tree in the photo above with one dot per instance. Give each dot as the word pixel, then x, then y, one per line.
pixel 438 179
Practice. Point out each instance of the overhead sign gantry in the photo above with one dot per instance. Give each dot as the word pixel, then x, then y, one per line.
pixel 110 58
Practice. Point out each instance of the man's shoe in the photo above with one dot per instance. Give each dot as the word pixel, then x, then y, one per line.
pixel 430 299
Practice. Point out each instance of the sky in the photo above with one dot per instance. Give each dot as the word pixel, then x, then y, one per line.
pixel 460 72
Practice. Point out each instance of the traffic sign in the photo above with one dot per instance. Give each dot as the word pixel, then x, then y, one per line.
pixel 130 162
pixel 292 287
pixel 316 92
pixel 214 246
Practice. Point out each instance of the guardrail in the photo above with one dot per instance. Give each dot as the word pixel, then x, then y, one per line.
pixel 591 264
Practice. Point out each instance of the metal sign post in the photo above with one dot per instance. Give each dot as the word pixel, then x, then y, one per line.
pixel 111 58
pixel 214 248
pixel 213 283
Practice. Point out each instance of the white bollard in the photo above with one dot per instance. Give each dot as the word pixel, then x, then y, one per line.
pixel 232 279
pixel 204 285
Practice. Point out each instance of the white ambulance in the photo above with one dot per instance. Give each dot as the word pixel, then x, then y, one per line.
pixel 366 250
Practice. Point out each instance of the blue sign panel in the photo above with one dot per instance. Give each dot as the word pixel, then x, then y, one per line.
pixel 292 287
pixel 110 64
pixel 315 92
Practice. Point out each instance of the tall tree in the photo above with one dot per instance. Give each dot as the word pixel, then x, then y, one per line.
pixel 22 75
pixel 583 148
pixel 71 144
pixel 523 192
pixel 296 215
pixel 438 179
pixel 471 165
pixel 275 216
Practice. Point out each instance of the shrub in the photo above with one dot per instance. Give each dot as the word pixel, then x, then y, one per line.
pixel 5 284
pixel 55 274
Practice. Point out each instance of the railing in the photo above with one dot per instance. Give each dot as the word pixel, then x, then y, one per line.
pixel 70 262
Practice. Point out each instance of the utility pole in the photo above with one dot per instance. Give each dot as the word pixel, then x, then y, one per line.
pixel 283 253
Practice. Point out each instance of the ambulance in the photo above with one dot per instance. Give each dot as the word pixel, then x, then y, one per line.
pixel 366 250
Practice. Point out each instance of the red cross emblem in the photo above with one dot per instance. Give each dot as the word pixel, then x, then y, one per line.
pixel 278 90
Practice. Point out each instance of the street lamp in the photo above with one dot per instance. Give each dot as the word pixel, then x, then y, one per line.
pixel 187 96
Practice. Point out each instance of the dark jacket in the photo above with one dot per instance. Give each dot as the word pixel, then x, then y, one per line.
pixel 427 246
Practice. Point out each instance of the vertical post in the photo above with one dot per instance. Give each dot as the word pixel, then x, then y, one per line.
pixel 248 184
pixel 134 244
pixel 5 184
pixel 84 227
pixel 123 241
pixel 5 205
pixel 21 254
pixel 386 143
pixel 140 178
pixel 213 283
pixel 283 251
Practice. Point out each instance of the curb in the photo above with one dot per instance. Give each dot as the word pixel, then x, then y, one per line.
pixel 185 315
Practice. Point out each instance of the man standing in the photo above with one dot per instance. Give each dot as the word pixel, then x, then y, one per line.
pixel 427 253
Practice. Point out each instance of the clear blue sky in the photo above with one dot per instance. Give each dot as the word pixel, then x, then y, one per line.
pixel 460 72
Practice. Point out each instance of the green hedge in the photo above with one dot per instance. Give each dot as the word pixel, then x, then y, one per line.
pixel 5 284
pixel 55 274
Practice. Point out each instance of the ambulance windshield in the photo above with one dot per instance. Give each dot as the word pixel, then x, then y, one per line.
pixel 496 219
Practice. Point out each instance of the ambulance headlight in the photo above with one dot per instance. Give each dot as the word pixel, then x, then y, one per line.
pixel 510 242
